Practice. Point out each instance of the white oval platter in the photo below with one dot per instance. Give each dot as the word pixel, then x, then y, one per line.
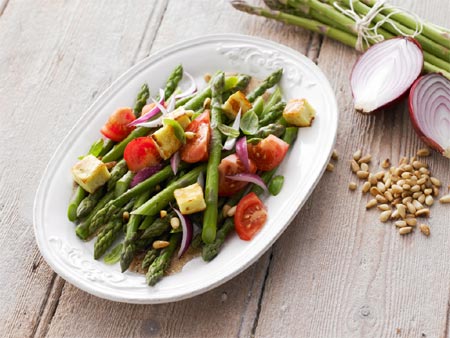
pixel 73 259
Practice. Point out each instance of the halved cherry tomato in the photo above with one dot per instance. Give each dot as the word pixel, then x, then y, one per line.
pixel 141 153
pixel 116 128
pixel 250 216
pixel 268 153
pixel 196 148
pixel 229 166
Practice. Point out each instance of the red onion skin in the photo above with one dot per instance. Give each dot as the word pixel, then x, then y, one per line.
pixel 404 94
pixel 414 121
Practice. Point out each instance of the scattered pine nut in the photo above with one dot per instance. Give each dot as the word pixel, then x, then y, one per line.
pixel 225 209
pixel 400 224
pixel 362 174
pixel 357 155
pixel 423 152
pixel 384 216
pixel 425 212
pixel 384 207
pixel 189 135
pixel 355 166
pixel 160 244
pixel 126 216
pixel 207 77
pixel 231 212
pixel 445 199
pixel 435 191
pixel 381 199
pixel 374 191
pixel 405 230
pixel 373 202
pixel 372 179
pixel 395 214
pixel 411 221
pixel 386 163
pixel 175 222
pixel 335 155
pixel 364 167
pixel 401 210
pixel 411 208
pixel 330 167
pixel 366 187
pixel 435 181
pixel 207 103
pixel 365 159
pixel 352 186
pixel 162 213
pixel 425 229
pixel 111 164
pixel 428 200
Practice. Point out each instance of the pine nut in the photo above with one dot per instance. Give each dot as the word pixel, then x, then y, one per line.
pixel 418 165
pixel 425 212
pixel 189 135
pixel 357 155
pixel 381 199
pixel 417 205
pixel 352 186
pixel 389 196
pixel 435 191
pixel 423 152
pixel 406 175
pixel 384 207
pixel 400 224
pixel 379 175
pixel 416 194
pixel 428 191
pixel 384 216
pixel 381 187
pixel 225 209
pixel 428 200
pixel 126 216
pixel 160 244
pixel 396 189
pixel 373 202
pixel 365 159
pixel 411 221
pixel 335 155
pixel 401 210
pixel 395 214
pixel 374 191
pixel 422 198
pixel 175 222
pixel 408 167
pixel 366 187
pixel 422 181
pixel 425 229
pixel 435 181
pixel 411 208
pixel 415 188
pixel 406 200
pixel 405 230
pixel 330 167
pixel 396 201
pixel 355 166
pixel 162 213
pixel 406 186
pixel 364 167
pixel 386 163
pixel 362 174
pixel 231 212
pixel 445 199
pixel 372 179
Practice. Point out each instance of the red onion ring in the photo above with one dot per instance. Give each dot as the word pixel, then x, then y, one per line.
pixel 175 162
pixel 429 110
pixel 145 173
pixel 385 72
pixel 242 153
pixel 144 118
pixel 192 88
pixel 251 178
pixel 187 232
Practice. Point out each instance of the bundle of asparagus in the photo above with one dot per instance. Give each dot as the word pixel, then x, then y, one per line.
pixel 360 24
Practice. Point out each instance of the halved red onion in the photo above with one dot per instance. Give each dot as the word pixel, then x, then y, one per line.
pixel 144 118
pixel 242 153
pixel 251 178
pixel 385 72
pixel 192 88
pixel 175 162
pixel 429 109
pixel 188 230
pixel 143 174
pixel 229 143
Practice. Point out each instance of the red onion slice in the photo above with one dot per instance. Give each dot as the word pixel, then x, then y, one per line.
pixel 385 72
pixel 429 109
pixel 242 153
pixel 175 162
pixel 229 143
pixel 251 178
pixel 187 232
pixel 145 173
pixel 151 113
pixel 192 88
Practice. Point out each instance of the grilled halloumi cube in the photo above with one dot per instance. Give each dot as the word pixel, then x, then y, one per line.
pixel 90 173
pixel 299 112
pixel 190 199
pixel 182 116
pixel 166 142
pixel 235 102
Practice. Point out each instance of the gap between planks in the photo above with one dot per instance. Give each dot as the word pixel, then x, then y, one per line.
pixel 3 6
pixel 312 52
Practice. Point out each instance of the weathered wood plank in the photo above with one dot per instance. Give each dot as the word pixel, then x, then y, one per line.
pixel 228 310
pixel 55 57
pixel 338 271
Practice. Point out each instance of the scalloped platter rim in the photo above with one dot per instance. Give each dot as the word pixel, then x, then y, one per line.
pixel 306 162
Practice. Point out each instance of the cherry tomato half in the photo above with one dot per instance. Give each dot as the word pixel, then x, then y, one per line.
pixel 250 216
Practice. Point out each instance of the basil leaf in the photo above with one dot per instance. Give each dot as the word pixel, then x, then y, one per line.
pixel 249 123
pixel 228 131
pixel 177 128
pixel 95 149
pixel 114 256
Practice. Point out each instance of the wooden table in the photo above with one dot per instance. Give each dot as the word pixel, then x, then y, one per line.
pixel 336 272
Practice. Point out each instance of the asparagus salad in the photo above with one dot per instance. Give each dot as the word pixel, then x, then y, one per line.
pixel 184 169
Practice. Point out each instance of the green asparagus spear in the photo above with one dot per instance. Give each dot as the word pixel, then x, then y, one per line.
pixel 107 146
pixel 165 196
pixel 258 106
pixel 123 184
pixel 103 215
pixel 141 100
pixel 211 250
pixel 89 202
pixel 212 173
pixel 82 229
pixel 158 227
pixel 276 129
pixel 148 220
pixel 129 245
pixel 117 172
pixel 157 268
pixel 77 198
pixel 274 114
pixel 276 97
pixel 149 258
pixel 172 81
pixel 269 82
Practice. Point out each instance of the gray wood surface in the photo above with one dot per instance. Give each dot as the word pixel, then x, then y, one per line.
pixel 336 272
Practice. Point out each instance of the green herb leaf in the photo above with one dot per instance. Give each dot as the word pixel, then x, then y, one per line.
pixel 228 131
pixel 95 149
pixel 177 128
pixel 276 184
pixel 254 140
pixel 114 256
pixel 249 123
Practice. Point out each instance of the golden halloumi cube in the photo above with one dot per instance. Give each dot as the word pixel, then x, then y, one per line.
pixel 299 112
pixel 90 173
pixel 181 115
pixel 190 199
pixel 166 141
pixel 235 102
